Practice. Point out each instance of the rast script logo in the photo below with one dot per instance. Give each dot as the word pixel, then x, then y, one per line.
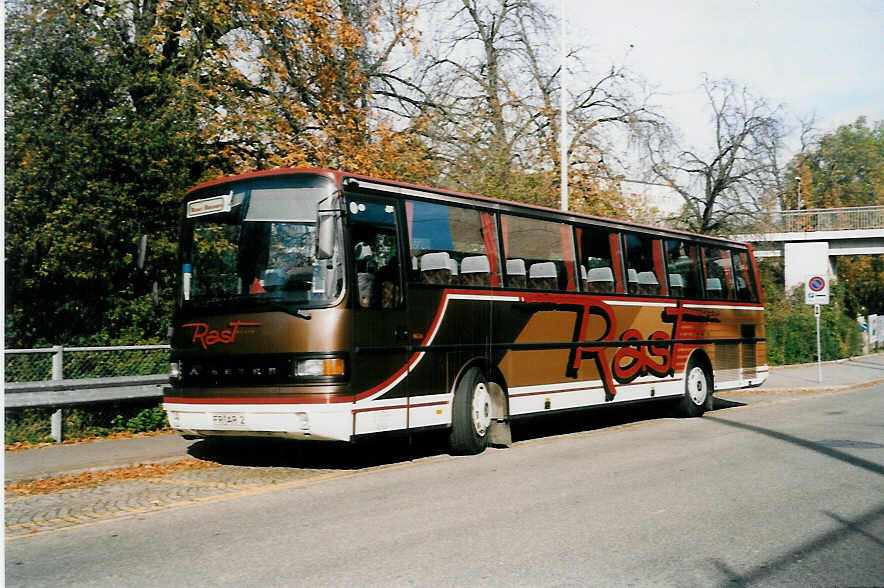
pixel 618 360
pixel 208 337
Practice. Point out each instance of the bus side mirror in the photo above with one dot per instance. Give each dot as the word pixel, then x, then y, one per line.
pixel 325 240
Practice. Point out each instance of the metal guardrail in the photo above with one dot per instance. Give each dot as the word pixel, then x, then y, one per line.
pixel 822 219
pixel 65 393
pixel 59 392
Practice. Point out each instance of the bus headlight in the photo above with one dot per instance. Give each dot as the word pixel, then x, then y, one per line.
pixel 320 367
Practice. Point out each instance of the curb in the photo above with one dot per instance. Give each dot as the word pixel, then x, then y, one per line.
pixel 828 362
pixel 807 389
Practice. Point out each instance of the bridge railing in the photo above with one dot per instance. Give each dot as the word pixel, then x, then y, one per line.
pixel 822 219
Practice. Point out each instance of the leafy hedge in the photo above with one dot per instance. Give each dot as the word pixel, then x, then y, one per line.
pixel 791 325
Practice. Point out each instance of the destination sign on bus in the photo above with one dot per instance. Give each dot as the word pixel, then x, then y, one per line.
pixel 214 205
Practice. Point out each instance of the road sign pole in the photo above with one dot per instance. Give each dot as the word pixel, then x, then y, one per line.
pixel 819 354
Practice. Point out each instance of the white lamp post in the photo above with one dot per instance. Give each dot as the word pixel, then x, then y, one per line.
pixel 563 113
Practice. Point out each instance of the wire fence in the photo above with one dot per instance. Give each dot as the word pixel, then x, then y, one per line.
pixel 57 363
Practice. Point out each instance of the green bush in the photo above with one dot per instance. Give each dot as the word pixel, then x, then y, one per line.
pixel 791 328
pixel 29 425
pixel 149 419
pixel 33 424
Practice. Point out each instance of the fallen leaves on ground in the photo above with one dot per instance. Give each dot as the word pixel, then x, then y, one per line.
pixel 88 479
pixel 22 445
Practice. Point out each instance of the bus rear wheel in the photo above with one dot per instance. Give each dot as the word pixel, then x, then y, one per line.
pixel 471 414
pixel 698 390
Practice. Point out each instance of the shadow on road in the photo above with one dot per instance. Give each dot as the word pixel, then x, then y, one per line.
pixel 826 447
pixel 846 530
pixel 599 418
pixel 286 453
pixel 721 403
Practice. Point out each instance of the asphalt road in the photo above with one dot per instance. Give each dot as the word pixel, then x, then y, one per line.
pixel 784 492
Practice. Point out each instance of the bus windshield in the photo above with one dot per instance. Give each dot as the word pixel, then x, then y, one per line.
pixel 255 246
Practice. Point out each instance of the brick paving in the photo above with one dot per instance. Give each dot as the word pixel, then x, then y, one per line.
pixel 26 515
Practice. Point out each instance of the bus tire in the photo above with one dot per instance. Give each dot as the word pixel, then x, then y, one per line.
pixel 697 390
pixel 471 414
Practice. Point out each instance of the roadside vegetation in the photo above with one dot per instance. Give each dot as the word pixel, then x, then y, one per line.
pixel 790 324
pixel 31 426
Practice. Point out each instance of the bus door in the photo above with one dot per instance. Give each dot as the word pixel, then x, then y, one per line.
pixel 380 334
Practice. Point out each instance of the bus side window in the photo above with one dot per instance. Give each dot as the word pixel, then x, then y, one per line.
pixel 745 277
pixel 375 253
pixel 682 265
pixel 719 273
pixel 539 254
pixel 643 266
pixel 451 245
pixel 596 260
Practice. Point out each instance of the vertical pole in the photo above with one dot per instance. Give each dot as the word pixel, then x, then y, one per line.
pixel 563 114
pixel 819 354
pixel 57 374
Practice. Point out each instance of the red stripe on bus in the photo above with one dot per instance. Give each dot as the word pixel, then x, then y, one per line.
pixel 401 371
pixel 556 391
pixel 260 400
pixel 591 388
pixel 431 333
pixel 399 407
pixel 443 402
pixel 376 408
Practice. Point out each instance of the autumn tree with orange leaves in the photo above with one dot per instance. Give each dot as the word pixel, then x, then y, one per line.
pixel 295 87
pixel 114 108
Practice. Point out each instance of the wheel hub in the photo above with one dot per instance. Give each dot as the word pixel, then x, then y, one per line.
pixel 481 409
pixel 697 386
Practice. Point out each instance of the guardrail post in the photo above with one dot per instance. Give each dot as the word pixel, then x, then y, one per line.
pixel 57 374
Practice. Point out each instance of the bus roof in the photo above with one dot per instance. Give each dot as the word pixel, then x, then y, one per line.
pixel 339 176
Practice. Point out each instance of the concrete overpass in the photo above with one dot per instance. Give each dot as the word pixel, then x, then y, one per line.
pixel 808 240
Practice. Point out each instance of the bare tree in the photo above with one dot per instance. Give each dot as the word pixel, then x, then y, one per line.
pixel 496 71
pixel 738 175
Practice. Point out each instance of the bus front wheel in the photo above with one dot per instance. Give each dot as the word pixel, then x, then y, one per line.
pixel 698 390
pixel 471 414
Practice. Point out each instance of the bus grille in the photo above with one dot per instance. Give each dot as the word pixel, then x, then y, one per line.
pixel 236 371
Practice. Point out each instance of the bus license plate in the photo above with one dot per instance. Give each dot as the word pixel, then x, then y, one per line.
pixel 229 419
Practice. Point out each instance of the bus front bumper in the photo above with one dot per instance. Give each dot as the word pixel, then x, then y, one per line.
pixel 331 422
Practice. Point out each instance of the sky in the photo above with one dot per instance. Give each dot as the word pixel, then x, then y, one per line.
pixel 816 57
